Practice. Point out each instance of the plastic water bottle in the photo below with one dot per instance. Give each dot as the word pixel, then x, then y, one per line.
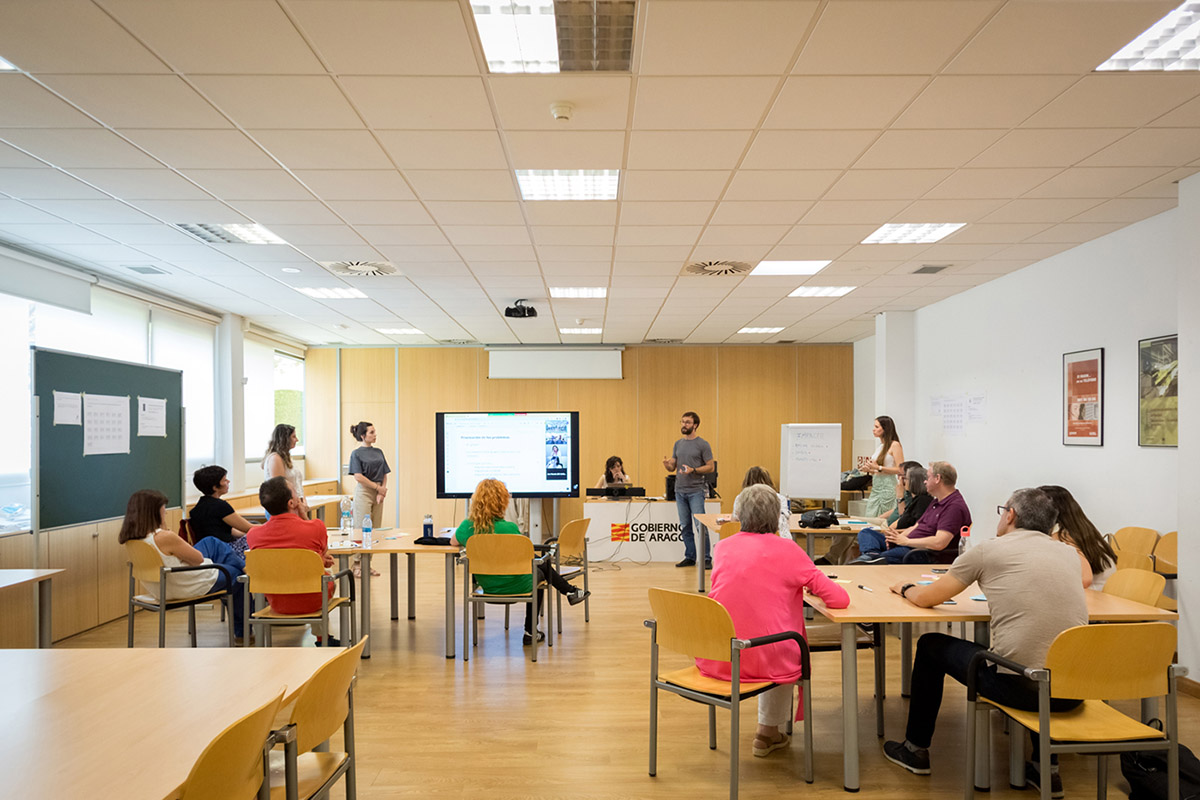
pixel 366 530
pixel 964 540
pixel 347 522
pixel 427 527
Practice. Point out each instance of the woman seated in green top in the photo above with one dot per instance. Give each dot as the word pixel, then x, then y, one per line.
pixel 486 515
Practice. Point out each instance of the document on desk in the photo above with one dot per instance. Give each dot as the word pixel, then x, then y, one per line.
pixel 105 424
pixel 68 408
pixel 152 416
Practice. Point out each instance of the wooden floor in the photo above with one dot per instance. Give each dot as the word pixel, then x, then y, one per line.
pixel 575 724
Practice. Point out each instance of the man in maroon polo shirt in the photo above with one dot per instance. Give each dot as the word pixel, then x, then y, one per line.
pixel 934 539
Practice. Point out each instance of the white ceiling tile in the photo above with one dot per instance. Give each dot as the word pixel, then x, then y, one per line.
pixel 665 213
pixel 61 233
pixel 455 213
pixel 780 184
pixel 1095 181
pixel 991 101
pixel 1123 210
pixel 1149 147
pixel 566 150
pixel 1184 116
pixel 979 184
pixel 487 234
pixel 575 212
pixel 625 255
pixel 885 184
pixel 444 149
pixel 730 103
pixel 1046 148
pixel 649 185
pixel 249 184
pixel 287 212
pixel 746 37
pixel 1166 185
pixel 496 252
pixel 1034 252
pixel 927 148
pixel 828 234
pixel 363 37
pixel 774 212
pixel 255 255
pixel 581 272
pixel 25 104
pixel 947 251
pixel 660 274
pixel 1038 210
pixel 876 37
pixel 329 252
pixel 807 150
pixel 380 212
pixel 142 184
pixel 173 211
pixel 44 183
pixel 413 255
pixel 463 184
pixel 852 212
pixel 85 211
pixel 12 157
pixel 984 233
pixel 401 234
pixel 71 147
pixel 884 252
pixel 498 269
pixel 17 212
pixel 421 103
pixel 574 234
pixel 747 253
pixel 806 252
pixel 1075 232
pixel 946 210
pixel 658 234
pixel 811 101
pixel 201 149
pixel 323 149
pixel 137 101
pixel 523 101
pixel 686 149
pixel 70 36
pixel 592 253
pixel 1114 100
pixel 279 101
pixel 101 252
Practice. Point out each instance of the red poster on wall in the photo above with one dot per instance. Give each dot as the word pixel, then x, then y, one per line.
pixel 1083 397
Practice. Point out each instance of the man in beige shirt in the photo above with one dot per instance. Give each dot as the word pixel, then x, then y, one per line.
pixel 1034 591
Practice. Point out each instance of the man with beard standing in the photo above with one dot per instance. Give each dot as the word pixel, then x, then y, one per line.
pixel 690 460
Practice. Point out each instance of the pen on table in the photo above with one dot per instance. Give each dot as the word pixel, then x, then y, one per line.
pixel 865 588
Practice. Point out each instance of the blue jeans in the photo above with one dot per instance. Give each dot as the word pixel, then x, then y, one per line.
pixel 230 565
pixel 689 504
pixel 871 541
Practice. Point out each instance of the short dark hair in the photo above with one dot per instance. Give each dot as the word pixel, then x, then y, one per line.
pixel 274 495
pixel 1033 510
pixel 905 465
pixel 695 417
pixel 206 478
pixel 360 430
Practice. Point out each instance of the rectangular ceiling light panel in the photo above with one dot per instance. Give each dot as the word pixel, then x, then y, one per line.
pixel 400 331
pixel 822 291
pixel 760 330
pixel 517 35
pixel 575 292
pixel 1172 43
pixel 568 184
pixel 233 233
pixel 913 233
pixel 594 36
pixel 332 293
pixel 581 331
pixel 788 268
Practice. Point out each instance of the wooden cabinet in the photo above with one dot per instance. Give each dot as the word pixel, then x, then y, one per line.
pixel 112 573
pixel 74 591
pixel 16 604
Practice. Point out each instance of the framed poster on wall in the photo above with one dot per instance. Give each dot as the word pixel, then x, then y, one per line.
pixel 1158 392
pixel 1083 397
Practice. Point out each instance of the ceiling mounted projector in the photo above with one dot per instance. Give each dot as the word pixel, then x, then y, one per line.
pixel 520 310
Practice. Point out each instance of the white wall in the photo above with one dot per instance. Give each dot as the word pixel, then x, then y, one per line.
pixel 1007 338
pixel 1188 589
pixel 864 388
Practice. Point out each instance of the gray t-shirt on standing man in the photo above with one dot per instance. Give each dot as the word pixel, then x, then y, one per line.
pixel 695 453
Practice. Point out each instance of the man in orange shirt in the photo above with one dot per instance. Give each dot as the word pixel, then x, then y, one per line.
pixel 290 528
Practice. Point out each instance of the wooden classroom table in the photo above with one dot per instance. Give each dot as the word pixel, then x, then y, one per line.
pixel 120 723
pixel 877 604
pixel 393 544
pixel 10 578
pixel 316 502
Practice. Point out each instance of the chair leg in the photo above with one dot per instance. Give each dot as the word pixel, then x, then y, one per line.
pixel 192 623
pixel 653 728
pixel 734 719
pixel 712 727
pixel 587 595
pixel 533 648
pixel 880 683
pixel 507 608
pixel 1101 777
pixel 806 687
pixel 348 742
pixel 227 606
pixel 969 759
pixel 162 625
pixel 1016 755
pixel 545 598
pixel 131 609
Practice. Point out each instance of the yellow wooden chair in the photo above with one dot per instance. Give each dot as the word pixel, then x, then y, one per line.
pixel 1137 585
pixel 1134 561
pixel 325 703
pixel 501 554
pixel 1166 555
pixel 700 627
pixel 1135 540
pixel 728 529
pixel 295 571
pixel 146 566
pixel 572 546
pixel 1093 663
pixel 232 764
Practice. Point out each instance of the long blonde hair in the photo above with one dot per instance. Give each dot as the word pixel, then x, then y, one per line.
pixel 488 504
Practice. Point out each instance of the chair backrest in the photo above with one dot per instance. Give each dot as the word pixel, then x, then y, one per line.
pixel 572 539
pixel 146 561
pixel 322 704
pixel 729 529
pixel 231 765
pixel 692 624
pixel 185 531
pixel 1111 662
pixel 499 554
pixel 1133 562
pixel 1136 540
pixel 1137 585
pixel 1167 548
pixel 284 571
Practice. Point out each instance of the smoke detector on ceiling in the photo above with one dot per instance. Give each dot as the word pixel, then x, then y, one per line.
pixel 360 269
pixel 562 111
pixel 717 268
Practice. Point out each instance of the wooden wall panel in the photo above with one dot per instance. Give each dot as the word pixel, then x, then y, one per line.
pixel 320 418
pixel 74 592
pixel 16 604
pixel 825 391
pixel 672 380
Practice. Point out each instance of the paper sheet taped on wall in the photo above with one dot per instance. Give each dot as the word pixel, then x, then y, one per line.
pixel 105 424
pixel 152 416
pixel 68 408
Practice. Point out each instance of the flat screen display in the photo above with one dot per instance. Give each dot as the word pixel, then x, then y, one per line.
pixel 535 453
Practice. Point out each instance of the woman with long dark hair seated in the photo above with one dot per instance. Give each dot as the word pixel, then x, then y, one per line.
pixel 1098 561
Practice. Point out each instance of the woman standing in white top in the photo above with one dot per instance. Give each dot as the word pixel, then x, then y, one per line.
pixel 884 467
pixel 277 461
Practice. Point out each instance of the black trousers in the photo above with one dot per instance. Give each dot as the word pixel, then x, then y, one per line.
pixel 939 655
pixel 551 576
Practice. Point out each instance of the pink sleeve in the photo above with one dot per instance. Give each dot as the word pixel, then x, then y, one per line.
pixel 820 585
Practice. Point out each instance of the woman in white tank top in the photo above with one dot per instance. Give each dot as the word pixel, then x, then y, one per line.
pixel 146 520
pixel 277 461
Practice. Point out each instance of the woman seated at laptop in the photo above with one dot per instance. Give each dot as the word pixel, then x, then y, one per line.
pixel 614 474
pixel 760 579
pixel 486 515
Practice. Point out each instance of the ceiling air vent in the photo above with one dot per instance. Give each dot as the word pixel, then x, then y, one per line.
pixel 717 268
pixel 930 269
pixel 459 341
pixel 144 269
pixel 594 37
pixel 663 341
pixel 360 269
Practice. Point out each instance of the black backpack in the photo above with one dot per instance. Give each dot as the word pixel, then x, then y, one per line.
pixel 1146 771
pixel 818 518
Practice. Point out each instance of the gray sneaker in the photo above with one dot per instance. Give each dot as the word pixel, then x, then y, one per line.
pixel 916 762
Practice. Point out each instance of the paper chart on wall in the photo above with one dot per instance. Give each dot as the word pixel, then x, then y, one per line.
pixel 152 416
pixel 977 408
pixel 954 415
pixel 105 424
pixel 68 408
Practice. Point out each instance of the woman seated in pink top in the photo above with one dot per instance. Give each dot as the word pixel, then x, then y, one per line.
pixel 760 578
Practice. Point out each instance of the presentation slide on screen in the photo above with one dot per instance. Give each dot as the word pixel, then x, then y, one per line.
pixel 531 453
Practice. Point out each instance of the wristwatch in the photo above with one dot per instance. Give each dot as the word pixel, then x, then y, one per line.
pixel 905 588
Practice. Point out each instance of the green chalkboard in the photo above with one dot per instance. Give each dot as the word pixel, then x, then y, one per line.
pixel 74 489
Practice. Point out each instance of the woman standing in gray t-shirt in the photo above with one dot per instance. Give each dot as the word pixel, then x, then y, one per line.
pixel 370 469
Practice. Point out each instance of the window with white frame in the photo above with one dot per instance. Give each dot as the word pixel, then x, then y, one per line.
pixel 274 394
